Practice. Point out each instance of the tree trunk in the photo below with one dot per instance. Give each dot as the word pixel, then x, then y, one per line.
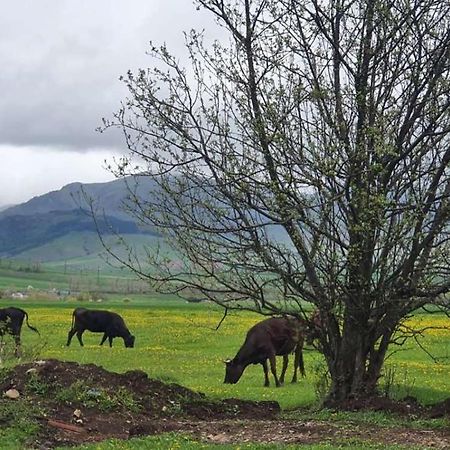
pixel 355 366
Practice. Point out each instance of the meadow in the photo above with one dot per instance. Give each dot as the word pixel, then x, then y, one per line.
pixel 178 342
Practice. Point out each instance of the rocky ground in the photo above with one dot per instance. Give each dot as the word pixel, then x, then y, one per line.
pixel 76 403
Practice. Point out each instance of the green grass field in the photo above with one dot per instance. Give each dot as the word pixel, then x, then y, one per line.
pixel 177 342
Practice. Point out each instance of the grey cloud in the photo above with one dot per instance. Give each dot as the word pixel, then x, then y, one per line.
pixel 61 61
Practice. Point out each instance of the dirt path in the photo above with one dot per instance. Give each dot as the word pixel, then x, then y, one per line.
pixel 244 431
pixel 290 432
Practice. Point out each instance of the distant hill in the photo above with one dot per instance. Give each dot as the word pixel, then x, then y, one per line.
pixel 110 195
pixel 53 226
pixel 49 217
pixel 83 251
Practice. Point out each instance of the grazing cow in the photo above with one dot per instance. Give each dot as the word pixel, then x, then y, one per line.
pixel 265 340
pixel 109 323
pixel 315 327
pixel 11 320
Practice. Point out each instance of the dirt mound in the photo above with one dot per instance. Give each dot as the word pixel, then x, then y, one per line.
pixel 405 407
pixel 440 409
pixel 88 403
pixel 74 403
pixel 408 406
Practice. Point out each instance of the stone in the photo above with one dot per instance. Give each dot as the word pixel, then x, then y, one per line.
pixel 13 394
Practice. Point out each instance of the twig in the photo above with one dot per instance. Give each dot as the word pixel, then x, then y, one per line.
pixel 223 318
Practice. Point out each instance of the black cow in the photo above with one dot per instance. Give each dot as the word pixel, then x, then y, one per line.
pixel 265 340
pixel 11 320
pixel 107 322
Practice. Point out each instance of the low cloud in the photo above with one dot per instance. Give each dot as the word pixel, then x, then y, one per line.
pixel 32 171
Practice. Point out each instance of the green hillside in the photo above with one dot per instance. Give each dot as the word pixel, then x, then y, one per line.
pixel 83 251
pixel 59 226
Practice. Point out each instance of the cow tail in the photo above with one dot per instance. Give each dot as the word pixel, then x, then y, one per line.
pixel 73 319
pixel 299 349
pixel 301 364
pixel 29 326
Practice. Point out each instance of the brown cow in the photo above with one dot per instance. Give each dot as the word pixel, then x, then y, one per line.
pixel 315 328
pixel 277 336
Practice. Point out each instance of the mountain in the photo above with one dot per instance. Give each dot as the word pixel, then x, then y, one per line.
pixel 54 226
pixel 51 217
pixel 110 196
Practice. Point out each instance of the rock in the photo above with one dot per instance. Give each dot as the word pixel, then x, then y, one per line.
pixel 12 394
pixel 220 438
pixel 77 413
pixel 32 370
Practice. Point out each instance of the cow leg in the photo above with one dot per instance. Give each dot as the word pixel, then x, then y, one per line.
pixel 296 361
pixel 80 336
pixel 273 368
pixel 70 336
pixel 266 374
pixel 285 366
pixel 103 339
pixel 298 364
pixel 110 340
pixel 14 330
pixel 17 349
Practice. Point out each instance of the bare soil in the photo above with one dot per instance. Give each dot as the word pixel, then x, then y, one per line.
pixel 153 407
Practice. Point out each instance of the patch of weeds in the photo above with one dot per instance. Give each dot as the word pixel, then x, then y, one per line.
pixel 173 408
pixel 322 381
pixel 36 385
pixel 26 353
pixel 81 393
pixel 396 383
pixel 7 352
pixel 17 423
pixel 5 373
pixel 125 398
pixel 94 397
pixel 33 352
pixel 232 409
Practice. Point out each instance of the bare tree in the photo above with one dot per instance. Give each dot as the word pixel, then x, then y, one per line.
pixel 305 162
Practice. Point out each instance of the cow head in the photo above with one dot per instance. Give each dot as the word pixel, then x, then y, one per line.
pixel 315 328
pixel 233 371
pixel 129 341
pixel 312 333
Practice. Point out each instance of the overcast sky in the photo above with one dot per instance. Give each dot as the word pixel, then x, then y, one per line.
pixel 60 64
